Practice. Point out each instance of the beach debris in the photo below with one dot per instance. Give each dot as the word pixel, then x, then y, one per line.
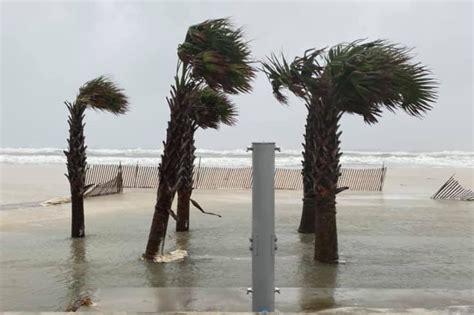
pixel 196 204
pixel 175 255
pixel 56 201
pixel 112 186
pixel 84 299
pixel 453 190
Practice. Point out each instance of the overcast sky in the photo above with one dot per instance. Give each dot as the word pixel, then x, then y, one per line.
pixel 48 49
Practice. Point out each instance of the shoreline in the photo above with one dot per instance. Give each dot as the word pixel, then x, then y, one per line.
pixel 39 182
pixel 288 158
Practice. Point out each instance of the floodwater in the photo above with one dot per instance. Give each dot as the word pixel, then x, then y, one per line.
pixel 398 252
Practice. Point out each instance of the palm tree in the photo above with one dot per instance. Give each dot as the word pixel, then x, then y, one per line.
pixel 213 55
pixel 100 94
pixel 360 78
pixel 210 109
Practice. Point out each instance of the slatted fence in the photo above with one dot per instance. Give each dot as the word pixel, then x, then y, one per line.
pixel 363 179
pixel 366 179
pixel 98 187
pixel 113 186
pixel 454 191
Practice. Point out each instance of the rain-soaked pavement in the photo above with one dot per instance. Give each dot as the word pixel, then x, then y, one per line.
pixel 399 252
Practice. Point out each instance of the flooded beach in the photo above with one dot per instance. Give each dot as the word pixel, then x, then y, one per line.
pixel 399 250
pixel 236 156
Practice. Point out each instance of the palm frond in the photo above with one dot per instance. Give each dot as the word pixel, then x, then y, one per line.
pixel 279 75
pixel 103 94
pixel 300 76
pixel 211 108
pixel 219 55
pixel 367 77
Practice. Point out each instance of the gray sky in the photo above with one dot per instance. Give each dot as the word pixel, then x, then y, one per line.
pixel 48 49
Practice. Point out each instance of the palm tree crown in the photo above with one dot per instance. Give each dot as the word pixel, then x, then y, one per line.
pixel 103 94
pixel 212 108
pixel 357 78
pixel 218 55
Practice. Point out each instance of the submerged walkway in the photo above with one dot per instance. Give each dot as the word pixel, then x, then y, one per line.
pixel 340 300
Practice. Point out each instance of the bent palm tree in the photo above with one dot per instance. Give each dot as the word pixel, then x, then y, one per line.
pixel 213 55
pixel 210 109
pixel 355 78
pixel 99 94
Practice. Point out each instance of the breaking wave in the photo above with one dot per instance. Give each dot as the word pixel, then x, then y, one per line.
pixel 240 158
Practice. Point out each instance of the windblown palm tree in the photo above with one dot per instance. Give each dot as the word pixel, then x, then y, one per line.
pixel 215 56
pixel 210 109
pixel 356 78
pixel 100 94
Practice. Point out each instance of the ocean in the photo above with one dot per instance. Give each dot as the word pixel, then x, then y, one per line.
pixel 241 158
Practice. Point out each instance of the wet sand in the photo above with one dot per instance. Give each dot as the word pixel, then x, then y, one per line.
pixel 402 250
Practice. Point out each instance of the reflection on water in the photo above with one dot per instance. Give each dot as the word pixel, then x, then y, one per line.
pixel 173 274
pixel 182 240
pixel 156 274
pixel 77 277
pixel 319 275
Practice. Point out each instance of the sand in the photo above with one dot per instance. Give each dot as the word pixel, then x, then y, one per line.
pixel 402 250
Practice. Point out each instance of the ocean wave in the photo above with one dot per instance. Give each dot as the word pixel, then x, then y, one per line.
pixel 240 157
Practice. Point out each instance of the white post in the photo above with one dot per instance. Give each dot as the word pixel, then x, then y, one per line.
pixel 263 240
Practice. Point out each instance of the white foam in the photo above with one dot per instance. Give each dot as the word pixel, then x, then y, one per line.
pixel 240 158
pixel 178 254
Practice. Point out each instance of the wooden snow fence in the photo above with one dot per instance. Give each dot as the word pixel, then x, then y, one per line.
pixel 452 190
pixel 362 179
pixel 223 178
pixel 137 176
pixel 108 187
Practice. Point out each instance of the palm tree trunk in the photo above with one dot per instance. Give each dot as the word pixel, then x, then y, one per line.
pixel 159 223
pixel 185 189
pixel 170 169
pixel 308 213
pixel 184 198
pixel 77 222
pixel 168 181
pixel 76 166
pixel 326 174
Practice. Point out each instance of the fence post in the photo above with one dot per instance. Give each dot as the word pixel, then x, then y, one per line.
pixel 263 240
pixel 382 178
pixel 136 176
pixel 196 185
pixel 119 178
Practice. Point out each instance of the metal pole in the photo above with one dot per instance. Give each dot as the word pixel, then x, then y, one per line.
pixel 263 240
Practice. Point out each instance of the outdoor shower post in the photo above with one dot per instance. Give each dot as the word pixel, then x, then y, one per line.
pixel 263 240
